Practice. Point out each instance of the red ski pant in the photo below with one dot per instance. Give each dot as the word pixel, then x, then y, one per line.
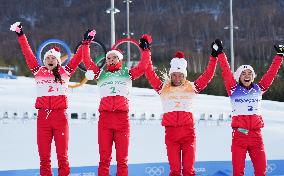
pixel 53 124
pixel 113 127
pixel 180 143
pixel 253 144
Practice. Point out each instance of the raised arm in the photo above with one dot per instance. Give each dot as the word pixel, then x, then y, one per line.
pixel 83 51
pixel 75 61
pixel 26 49
pixel 229 80
pixel 269 76
pixel 153 78
pixel 138 70
pixel 93 70
pixel 208 74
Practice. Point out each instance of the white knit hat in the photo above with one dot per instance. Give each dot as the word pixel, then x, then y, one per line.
pixel 178 64
pixel 55 51
pixel 117 52
pixel 241 69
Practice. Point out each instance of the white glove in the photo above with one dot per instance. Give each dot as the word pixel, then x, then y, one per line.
pixel 16 27
pixel 90 75
pixel 215 47
pixel 92 33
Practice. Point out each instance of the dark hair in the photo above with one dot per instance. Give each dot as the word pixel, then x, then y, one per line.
pixel 57 74
pixel 249 87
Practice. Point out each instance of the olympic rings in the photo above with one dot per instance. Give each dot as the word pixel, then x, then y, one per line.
pixel 83 81
pixel 271 167
pixel 100 54
pixel 98 60
pixel 54 41
pixel 127 40
pixel 154 171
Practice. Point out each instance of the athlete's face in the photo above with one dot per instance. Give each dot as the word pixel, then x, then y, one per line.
pixel 246 78
pixel 50 62
pixel 177 78
pixel 112 59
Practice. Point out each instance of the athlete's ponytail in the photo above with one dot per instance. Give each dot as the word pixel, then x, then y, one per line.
pixel 57 74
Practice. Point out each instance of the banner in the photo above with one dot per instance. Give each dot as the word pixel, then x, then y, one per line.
pixel 202 168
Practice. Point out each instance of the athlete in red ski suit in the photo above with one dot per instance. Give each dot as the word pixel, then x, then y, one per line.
pixel 51 103
pixel 178 116
pixel 114 83
pixel 247 119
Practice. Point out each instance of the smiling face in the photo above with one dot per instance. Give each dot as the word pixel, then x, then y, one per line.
pixel 112 59
pixel 50 62
pixel 177 78
pixel 246 78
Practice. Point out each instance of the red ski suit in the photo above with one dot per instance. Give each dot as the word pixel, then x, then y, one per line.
pixel 51 103
pixel 113 121
pixel 251 142
pixel 179 121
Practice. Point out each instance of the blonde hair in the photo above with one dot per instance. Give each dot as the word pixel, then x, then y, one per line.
pixel 166 77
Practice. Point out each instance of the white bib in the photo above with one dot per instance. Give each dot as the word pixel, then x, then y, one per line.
pixel 246 102
pixel 115 83
pixel 179 98
pixel 46 85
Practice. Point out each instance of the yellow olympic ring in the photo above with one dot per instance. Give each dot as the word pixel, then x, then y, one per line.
pixel 82 82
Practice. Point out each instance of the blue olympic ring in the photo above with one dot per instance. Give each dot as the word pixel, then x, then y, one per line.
pixel 56 41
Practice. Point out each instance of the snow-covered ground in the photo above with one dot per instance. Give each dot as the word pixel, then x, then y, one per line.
pixel 18 148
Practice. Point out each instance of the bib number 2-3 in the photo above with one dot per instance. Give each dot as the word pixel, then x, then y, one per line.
pixel 250 108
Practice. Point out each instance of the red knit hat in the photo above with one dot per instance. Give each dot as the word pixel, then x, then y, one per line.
pixel 54 51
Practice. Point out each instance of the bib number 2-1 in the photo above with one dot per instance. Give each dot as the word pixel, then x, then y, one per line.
pixel 52 89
